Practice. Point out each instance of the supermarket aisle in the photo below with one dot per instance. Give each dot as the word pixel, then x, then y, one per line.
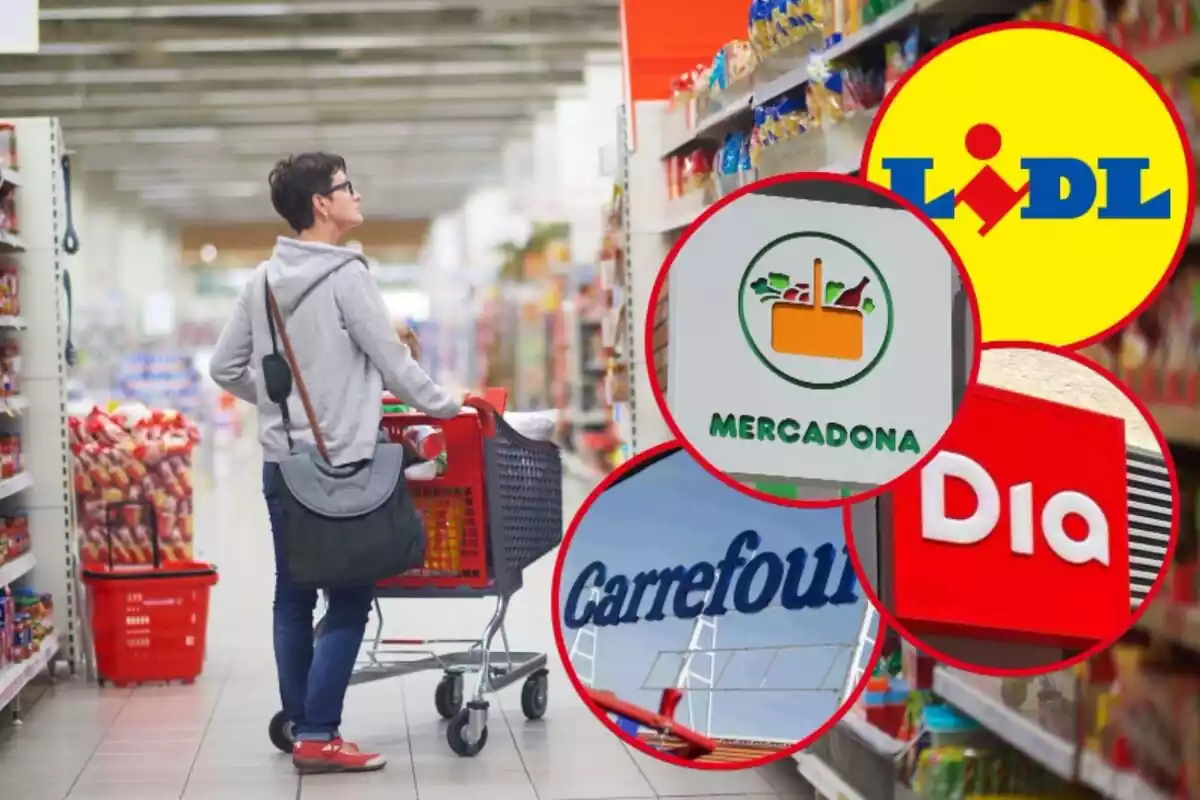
pixel 208 741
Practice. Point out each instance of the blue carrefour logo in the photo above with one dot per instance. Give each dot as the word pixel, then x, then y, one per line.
pixel 748 580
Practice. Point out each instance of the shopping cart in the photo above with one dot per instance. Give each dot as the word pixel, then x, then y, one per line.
pixel 495 510
pixel 659 729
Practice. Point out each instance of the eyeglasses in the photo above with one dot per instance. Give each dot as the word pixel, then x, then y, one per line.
pixel 347 185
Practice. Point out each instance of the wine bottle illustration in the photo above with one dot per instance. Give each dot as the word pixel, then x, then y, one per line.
pixel 852 297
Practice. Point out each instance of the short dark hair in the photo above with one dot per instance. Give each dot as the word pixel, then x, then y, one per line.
pixel 296 179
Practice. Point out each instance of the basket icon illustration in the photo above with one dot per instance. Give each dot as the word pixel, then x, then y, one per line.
pixel 818 319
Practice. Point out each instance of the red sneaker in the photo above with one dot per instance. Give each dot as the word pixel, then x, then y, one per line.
pixel 334 756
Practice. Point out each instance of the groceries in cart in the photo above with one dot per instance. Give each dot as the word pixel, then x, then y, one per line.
pixel 133 485
pixel 428 442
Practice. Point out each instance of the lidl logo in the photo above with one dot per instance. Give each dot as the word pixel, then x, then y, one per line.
pixel 1056 188
pixel 815 310
pixel 1066 219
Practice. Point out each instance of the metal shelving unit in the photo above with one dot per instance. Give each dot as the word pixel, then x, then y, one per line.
pixel 967 693
pixel 44 490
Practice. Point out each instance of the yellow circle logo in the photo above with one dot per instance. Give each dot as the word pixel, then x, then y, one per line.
pixel 1056 167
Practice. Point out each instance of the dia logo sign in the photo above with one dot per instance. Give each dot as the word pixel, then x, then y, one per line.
pixel 1017 505
pixel 1016 529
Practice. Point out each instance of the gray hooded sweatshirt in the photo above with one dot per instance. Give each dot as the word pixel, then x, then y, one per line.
pixel 343 339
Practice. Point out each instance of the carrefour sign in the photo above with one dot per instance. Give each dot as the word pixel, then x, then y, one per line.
pixel 745 579
pixel 671 579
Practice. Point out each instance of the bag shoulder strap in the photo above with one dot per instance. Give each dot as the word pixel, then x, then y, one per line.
pixel 277 323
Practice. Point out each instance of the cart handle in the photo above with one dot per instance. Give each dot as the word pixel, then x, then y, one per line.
pixel 695 745
pixel 485 411
pixel 487 414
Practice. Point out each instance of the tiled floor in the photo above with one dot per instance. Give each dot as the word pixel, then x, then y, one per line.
pixel 209 742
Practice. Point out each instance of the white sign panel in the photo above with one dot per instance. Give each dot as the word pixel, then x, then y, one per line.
pixel 19 27
pixel 812 340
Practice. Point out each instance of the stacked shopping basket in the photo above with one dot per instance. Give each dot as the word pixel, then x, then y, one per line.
pixel 148 622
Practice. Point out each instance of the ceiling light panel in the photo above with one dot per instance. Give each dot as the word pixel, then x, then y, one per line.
pixel 268 10
pixel 291 73
pixel 452 116
pixel 431 94
pixel 250 133
pixel 429 40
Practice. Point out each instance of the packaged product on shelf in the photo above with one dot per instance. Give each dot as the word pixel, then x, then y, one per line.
pixel 791 117
pixel 26 619
pixel 39 608
pixel 741 60
pixel 8 145
pixel 826 20
pixel 10 369
pixel 862 90
pixel 777 24
pixel 871 10
pixel 759 28
pixel 7 623
pixel 683 87
pixel 1085 15
pixel 824 101
pixel 133 484
pixel 718 76
pixel 1184 91
pixel 10 294
pixel 745 162
pixel 1136 24
pixel 673 164
pixel 697 170
pixel 14 537
pixel 729 160
pixel 10 455
pixel 900 57
pixel 8 213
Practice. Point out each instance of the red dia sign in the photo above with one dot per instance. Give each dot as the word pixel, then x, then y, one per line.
pixel 1016 530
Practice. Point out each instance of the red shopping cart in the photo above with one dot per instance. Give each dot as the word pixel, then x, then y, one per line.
pixel 495 509
pixel 664 733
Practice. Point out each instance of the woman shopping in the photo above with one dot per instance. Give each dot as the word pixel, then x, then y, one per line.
pixel 339 337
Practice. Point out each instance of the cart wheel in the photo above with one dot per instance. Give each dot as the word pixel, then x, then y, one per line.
pixel 456 735
pixel 280 731
pixel 449 695
pixel 535 695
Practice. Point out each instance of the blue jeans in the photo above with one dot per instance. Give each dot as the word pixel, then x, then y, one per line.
pixel 314 671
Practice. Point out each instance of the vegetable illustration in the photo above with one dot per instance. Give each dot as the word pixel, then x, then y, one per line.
pixel 777 286
pixel 817 319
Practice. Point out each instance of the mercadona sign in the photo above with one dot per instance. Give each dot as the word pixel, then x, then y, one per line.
pixel 813 339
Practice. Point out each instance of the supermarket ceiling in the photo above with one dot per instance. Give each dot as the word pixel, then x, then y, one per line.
pixel 187 104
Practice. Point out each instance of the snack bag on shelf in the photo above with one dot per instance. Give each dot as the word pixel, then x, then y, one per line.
pixel 697 170
pixel 742 60
pixel 133 476
pixel 900 57
pixel 718 77
pixel 682 89
pixel 10 304
pixel 791 118
pixel 780 28
pixel 6 629
pixel 759 30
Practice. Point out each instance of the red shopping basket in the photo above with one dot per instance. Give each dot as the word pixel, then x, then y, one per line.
pixel 150 624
